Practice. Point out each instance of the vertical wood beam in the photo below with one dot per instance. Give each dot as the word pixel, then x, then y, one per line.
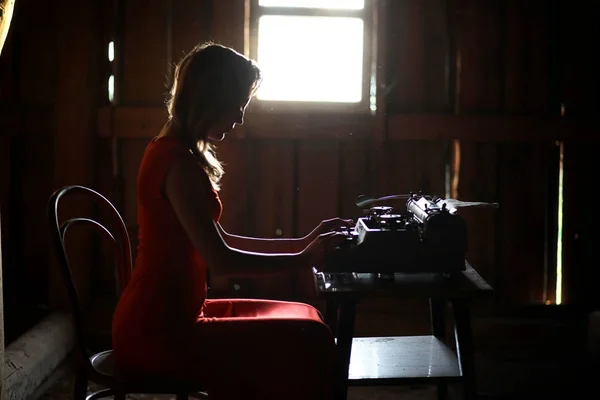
pixel 228 25
pixel 6 13
pixel 76 124
pixel 379 51
pixel 1 320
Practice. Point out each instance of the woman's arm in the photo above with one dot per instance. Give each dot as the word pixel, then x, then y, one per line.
pixel 287 245
pixel 262 245
pixel 186 188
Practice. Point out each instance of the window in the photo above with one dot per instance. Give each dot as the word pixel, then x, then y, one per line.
pixel 313 51
pixel 111 78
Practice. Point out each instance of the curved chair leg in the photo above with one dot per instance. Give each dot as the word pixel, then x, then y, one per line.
pixel 81 386
pixel 102 394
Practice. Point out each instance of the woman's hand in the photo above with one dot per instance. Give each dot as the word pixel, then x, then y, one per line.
pixel 333 224
pixel 322 245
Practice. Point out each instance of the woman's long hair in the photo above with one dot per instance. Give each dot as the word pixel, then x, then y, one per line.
pixel 207 83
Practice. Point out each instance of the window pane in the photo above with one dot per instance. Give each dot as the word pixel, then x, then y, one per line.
pixel 332 4
pixel 310 58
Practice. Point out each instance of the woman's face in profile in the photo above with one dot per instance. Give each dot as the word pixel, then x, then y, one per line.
pixel 230 117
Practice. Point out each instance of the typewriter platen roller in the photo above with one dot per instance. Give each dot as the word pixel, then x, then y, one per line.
pixel 428 236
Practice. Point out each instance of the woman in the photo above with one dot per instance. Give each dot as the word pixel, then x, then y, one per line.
pixel 6 12
pixel 163 324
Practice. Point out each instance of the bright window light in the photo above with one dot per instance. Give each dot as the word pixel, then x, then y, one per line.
pixel 317 59
pixel 111 51
pixel 111 88
pixel 331 4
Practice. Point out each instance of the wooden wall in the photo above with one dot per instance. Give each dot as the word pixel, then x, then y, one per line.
pixel 27 94
pixel 473 87
pixel 49 96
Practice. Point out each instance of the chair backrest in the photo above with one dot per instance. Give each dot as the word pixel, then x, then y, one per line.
pixel 120 243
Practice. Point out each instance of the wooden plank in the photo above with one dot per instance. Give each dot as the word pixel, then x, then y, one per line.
pixel 190 25
pixel 144 122
pixel 114 189
pixel 233 153
pixel 405 79
pixel 132 122
pixel 577 78
pixel 537 85
pixel 38 44
pixel 2 299
pixel 488 128
pixel 104 178
pixel 380 52
pixel 413 166
pixel 76 102
pixel 580 235
pixel 318 180
pixel 228 23
pixel 14 284
pixel 271 206
pixel 523 182
pixel 36 186
pixel 234 188
pixel 435 32
pixel 478 44
pixel 23 119
pixel 526 57
pixel 477 181
pixel 514 56
pixel 131 153
pixel 308 125
pixel 145 52
pixel 418 58
pixel 5 195
pixel 317 194
pixel 355 178
pixel 27 126
pixel 272 189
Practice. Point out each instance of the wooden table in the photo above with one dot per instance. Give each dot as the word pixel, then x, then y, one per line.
pixel 394 360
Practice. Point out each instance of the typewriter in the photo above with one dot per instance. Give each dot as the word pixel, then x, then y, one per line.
pixel 426 237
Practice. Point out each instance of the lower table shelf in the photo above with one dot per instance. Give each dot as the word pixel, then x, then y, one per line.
pixel 376 361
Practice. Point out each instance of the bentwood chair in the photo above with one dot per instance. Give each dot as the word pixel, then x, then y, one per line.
pixel 99 368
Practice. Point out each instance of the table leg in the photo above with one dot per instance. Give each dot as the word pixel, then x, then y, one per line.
pixel 464 346
pixel 345 331
pixel 438 329
pixel 331 315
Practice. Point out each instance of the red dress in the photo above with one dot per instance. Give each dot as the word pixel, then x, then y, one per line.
pixel 236 348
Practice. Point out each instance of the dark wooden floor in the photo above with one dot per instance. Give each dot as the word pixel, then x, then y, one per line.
pixel 535 353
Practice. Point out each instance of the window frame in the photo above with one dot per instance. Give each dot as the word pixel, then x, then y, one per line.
pixel 367 14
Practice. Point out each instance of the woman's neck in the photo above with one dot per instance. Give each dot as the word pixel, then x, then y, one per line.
pixel 169 130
